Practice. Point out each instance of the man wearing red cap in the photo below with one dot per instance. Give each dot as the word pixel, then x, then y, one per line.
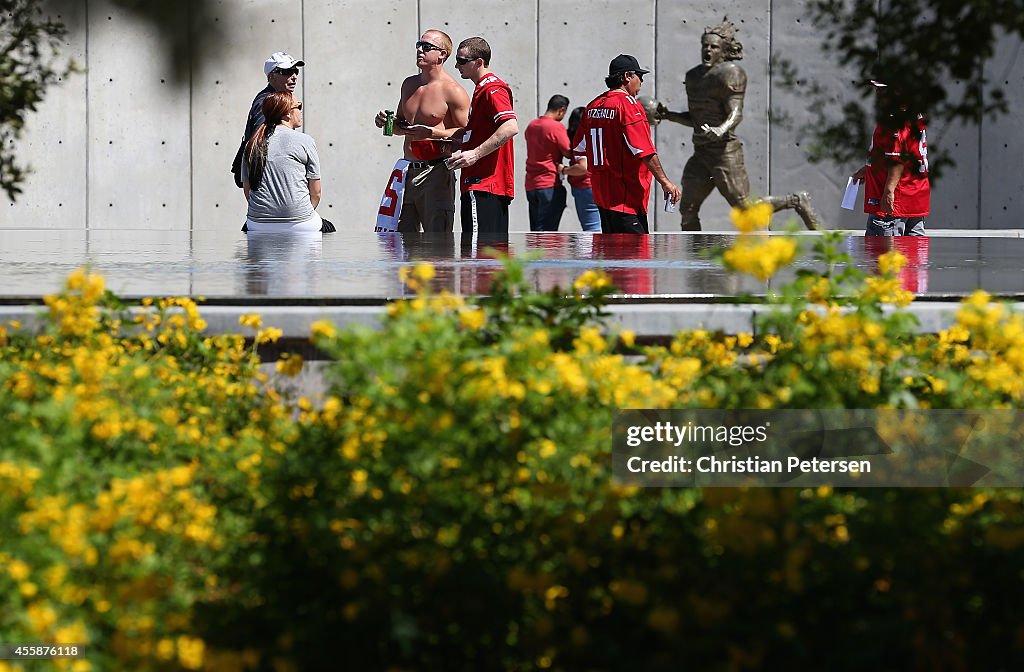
pixel 615 139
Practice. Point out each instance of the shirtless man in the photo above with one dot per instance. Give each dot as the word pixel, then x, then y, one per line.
pixel 432 107
pixel 715 90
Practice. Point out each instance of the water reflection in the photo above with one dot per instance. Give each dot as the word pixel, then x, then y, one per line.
pixel 913 276
pixel 362 265
pixel 282 264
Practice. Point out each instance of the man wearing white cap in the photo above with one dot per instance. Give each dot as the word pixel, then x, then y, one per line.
pixel 282 71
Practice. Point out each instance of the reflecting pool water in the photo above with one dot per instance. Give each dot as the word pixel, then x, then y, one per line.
pixel 358 267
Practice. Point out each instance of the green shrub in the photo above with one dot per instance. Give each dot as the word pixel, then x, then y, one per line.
pixel 449 503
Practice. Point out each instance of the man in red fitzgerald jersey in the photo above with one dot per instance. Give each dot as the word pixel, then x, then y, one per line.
pixel 486 156
pixel 615 139
pixel 897 192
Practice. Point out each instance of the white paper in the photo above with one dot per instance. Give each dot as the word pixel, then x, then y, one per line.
pixel 850 197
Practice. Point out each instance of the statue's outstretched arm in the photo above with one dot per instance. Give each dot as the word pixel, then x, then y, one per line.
pixel 665 114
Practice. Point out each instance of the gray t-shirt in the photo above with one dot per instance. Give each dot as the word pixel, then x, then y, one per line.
pixel 283 195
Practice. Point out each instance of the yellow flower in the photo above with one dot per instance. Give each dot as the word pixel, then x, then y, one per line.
pixel 76 280
pixel 416 277
pixel 423 272
pixel 323 329
pixel 190 652
pixel 18 570
pixel 251 320
pixel 979 298
pixel 589 341
pixel 819 291
pixel 72 634
pixel 165 649
pixel 891 262
pixel 472 318
pixel 591 280
pixel 290 364
pixel 94 288
pixel 760 259
pixel 628 338
pixel 268 335
pixel 754 218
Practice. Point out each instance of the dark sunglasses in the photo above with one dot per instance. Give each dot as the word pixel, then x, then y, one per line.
pixel 297 106
pixel 427 47
pixel 638 76
pixel 287 73
pixel 459 60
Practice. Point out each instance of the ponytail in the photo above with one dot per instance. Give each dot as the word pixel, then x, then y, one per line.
pixel 276 107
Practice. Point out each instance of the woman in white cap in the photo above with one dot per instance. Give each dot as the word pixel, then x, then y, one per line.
pixel 281 171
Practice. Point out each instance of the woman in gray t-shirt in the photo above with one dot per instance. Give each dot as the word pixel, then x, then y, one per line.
pixel 281 171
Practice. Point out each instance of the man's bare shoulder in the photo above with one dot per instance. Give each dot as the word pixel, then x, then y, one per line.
pixel 453 90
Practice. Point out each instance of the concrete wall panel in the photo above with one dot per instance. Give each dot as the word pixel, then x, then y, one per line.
pixel 794 38
pixel 222 93
pixel 679 30
pixel 53 144
pixel 1002 143
pixel 120 146
pixel 358 53
pixel 139 157
pixel 511 30
pixel 576 41
pixel 954 203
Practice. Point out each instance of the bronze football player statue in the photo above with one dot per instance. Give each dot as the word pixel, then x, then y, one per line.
pixel 715 91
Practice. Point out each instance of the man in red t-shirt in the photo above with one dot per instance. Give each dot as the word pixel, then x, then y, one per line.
pixel 547 143
pixel 486 156
pixel 897 192
pixel 615 139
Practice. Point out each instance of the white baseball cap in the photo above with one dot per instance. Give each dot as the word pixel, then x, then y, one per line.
pixel 279 59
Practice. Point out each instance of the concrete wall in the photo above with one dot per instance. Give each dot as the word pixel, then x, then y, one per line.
pixel 120 146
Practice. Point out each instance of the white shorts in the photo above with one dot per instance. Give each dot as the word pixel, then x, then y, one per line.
pixel 310 225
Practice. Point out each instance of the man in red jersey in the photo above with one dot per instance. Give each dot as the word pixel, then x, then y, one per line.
pixel 897 192
pixel 547 143
pixel 486 156
pixel 615 139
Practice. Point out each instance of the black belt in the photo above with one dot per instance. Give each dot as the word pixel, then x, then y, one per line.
pixel 423 164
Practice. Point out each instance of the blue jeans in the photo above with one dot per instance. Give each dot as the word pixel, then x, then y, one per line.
pixel 546 206
pixel 879 225
pixel 586 210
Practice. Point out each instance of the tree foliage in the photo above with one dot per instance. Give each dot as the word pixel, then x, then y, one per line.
pixel 31 62
pixel 932 51
pixel 28 65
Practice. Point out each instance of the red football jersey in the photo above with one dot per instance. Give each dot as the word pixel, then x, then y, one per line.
pixel 547 141
pixel 491 105
pixel 614 136
pixel 909 146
